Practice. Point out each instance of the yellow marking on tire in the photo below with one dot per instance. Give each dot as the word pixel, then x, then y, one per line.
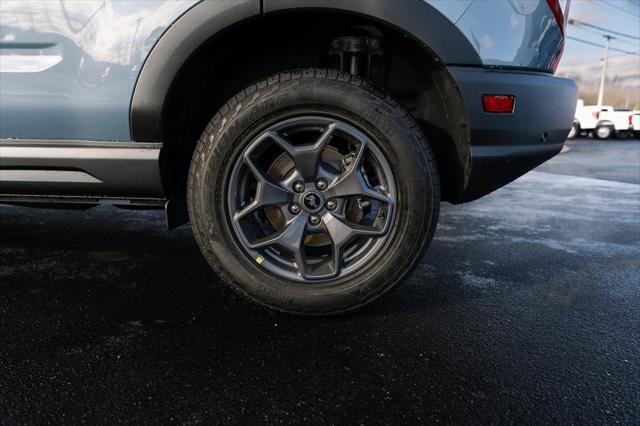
pixel 259 259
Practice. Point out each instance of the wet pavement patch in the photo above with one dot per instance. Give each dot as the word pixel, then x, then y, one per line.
pixel 526 307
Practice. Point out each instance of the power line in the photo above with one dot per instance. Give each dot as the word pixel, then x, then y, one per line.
pixel 621 8
pixel 609 8
pixel 626 56
pixel 586 24
pixel 613 8
pixel 602 45
pixel 630 43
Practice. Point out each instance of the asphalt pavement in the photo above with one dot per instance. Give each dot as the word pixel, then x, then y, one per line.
pixel 525 310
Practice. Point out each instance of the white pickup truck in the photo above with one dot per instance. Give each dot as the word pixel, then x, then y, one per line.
pixel 602 121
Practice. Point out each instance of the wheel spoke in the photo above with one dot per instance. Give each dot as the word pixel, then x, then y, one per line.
pixel 267 192
pixel 291 238
pixel 351 182
pixel 342 232
pixel 306 157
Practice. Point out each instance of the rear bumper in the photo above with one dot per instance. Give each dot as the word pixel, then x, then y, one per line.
pixel 506 146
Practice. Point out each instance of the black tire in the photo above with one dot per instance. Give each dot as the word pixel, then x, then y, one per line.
pixel 575 131
pixel 354 101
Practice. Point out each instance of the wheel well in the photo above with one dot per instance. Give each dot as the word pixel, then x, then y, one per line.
pixel 606 123
pixel 251 50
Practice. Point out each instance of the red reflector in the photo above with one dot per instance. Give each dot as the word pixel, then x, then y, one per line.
pixel 498 103
pixel 630 120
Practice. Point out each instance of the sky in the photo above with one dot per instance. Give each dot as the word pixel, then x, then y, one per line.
pixel 585 61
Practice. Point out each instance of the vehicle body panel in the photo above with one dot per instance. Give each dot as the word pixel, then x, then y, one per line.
pixel 70 68
pixel 618 118
pixel 84 71
pixel 95 52
pixel 586 116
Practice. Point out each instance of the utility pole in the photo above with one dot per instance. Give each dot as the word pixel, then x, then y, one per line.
pixel 604 70
pixel 626 103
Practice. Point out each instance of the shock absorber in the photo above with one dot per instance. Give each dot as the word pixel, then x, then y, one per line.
pixel 359 55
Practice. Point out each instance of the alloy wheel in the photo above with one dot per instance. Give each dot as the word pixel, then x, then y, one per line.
pixel 312 199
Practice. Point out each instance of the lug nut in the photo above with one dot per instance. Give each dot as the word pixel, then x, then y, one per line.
pixel 331 205
pixel 299 186
pixel 322 184
pixel 295 208
pixel 314 220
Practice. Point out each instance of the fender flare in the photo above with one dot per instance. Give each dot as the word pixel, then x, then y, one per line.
pixel 171 52
pixel 416 18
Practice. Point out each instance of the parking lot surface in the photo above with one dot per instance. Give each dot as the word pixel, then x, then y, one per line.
pixel 526 308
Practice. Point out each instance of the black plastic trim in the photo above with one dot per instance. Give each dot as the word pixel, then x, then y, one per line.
pixel 63 168
pixel 66 202
pixel 414 17
pixel 492 167
pixel 173 49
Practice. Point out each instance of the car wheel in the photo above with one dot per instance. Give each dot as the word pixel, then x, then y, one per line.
pixel 311 192
pixel 575 131
pixel 603 132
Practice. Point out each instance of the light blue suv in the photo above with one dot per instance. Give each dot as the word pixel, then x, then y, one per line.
pixel 308 142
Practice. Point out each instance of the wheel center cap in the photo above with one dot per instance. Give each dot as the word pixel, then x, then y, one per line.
pixel 312 201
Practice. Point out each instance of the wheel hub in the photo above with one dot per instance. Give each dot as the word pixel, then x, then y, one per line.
pixel 312 201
